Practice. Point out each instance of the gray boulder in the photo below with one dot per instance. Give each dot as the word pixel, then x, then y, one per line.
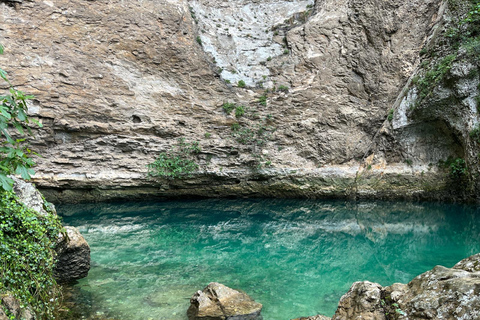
pixel 73 255
pixel 219 302
pixel 441 293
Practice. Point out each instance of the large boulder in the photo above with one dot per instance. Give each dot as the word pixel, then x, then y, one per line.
pixel 441 293
pixel 73 255
pixel 219 302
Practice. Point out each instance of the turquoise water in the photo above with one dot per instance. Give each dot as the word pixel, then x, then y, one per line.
pixel 296 257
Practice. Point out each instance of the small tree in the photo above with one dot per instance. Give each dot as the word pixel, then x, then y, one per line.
pixel 14 152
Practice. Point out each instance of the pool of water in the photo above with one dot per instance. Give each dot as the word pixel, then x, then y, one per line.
pixel 296 257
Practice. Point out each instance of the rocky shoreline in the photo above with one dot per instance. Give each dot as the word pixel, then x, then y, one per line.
pixel 393 182
pixel 441 293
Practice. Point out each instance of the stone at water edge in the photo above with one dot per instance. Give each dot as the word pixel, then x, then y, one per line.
pixel 73 256
pixel 441 293
pixel 219 302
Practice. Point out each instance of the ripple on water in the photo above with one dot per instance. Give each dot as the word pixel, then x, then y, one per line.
pixel 296 257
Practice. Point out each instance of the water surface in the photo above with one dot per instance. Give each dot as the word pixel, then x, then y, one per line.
pixel 296 257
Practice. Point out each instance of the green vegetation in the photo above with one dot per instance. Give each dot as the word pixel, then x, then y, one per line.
pixel 179 162
pixel 282 88
pixel 235 127
pixel 241 84
pixel 27 250
pixel 199 40
pixel 27 240
pixel 14 152
pixel 263 100
pixel 475 134
pixel 208 135
pixel 458 169
pixel 390 115
pixel 239 111
pixel 228 107
pixel 461 40
pixel 433 77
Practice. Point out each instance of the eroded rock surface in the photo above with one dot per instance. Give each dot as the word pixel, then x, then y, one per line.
pixel 441 293
pixel 73 256
pixel 219 302
pixel 118 82
pixel 13 306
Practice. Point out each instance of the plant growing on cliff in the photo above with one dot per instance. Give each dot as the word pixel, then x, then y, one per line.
pixel 475 133
pixel 178 162
pixel 458 169
pixel 27 242
pixel 14 122
pixel 228 107
pixel 239 111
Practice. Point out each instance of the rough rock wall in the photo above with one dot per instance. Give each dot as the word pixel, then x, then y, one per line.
pixel 117 82
pixel 441 293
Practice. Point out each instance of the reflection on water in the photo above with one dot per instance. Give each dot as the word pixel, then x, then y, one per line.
pixel 296 257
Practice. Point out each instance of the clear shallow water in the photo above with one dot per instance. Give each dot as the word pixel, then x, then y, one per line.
pixel 296 257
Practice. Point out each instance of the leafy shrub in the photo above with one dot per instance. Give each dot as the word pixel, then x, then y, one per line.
pixel 458 169
pixel 199 40
pixel 239 111
pixel 282 88
pixel 242 84
pixel 432 77
pixel 235 127
pixel 263 100
pixel 390 115
pixel 228 107
pixel 475 134
pixel 14 153
pixel 178 162
pixel 27 243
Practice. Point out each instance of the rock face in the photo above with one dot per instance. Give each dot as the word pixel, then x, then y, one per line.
pixel 441 293
pixel 12 305
pixel 218 302
pixel 30 196
pixel 73 256
pixel 116 83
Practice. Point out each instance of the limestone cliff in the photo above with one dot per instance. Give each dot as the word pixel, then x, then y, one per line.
pixel 116 82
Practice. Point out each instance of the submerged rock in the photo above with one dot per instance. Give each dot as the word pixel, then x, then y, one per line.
pixel 73 256
pixel 441 293
pixel 220 302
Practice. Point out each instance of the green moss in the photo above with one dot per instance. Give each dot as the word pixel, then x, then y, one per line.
pixel 27 243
